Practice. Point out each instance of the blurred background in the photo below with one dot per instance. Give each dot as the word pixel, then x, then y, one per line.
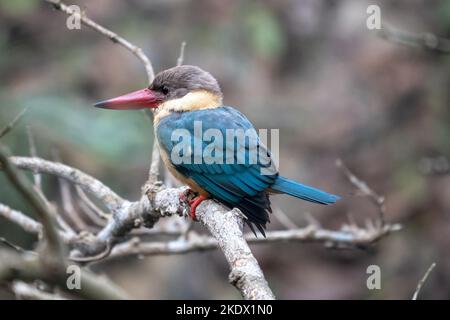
pixel 310 68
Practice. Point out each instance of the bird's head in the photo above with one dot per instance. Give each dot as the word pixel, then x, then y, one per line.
pixel 182 88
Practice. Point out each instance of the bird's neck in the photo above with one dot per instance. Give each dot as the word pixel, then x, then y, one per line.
pixel 195 100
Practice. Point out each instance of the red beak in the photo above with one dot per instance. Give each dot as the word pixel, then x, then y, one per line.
pixel 140 99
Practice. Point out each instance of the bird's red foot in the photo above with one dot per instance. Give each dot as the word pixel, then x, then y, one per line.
pixel 194 204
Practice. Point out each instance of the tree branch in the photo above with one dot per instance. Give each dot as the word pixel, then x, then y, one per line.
pixel 29 268
pixel 59 5
pixel 111 200
pixel 245 273
pixel 422 281
pixel 25 222
pixel 365 190
pixel 13 123
pixel 23 290
pixel 224 225
pixel 42 210
pixel 425 40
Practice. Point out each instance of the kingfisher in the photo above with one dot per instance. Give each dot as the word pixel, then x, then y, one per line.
pixel 238 172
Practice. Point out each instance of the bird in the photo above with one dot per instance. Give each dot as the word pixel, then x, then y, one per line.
pixel 185 96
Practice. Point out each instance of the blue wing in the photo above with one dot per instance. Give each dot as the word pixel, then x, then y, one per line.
pixel 239 179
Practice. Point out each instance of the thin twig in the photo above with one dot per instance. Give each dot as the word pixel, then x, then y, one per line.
pixel 98 213
pixel 16 247
pixel 97 257
pixel 28 224
pixel 45 216
pixel 67 203
pixel 181 56
pixel 425 40
pixel 138 52
pixel 347 237
pixel 66 198
pixel 284 219
pixel 422 281
pixel 13 123
pixel 91 210
pixel 365 190
pixel 33 153
pixel 111 200
pixel 52 209
pixel 94 220
pixel 153 172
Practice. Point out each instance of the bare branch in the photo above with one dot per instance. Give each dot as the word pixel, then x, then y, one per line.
pixel 365 190
pixel 181 56
pixel 45 216
pixel 283 218
pixel 111 200
pixel 14 266
pixel 422 281
pixel 59 5
pixel 99 216
pixel 245 273
pixel 153 172
pixel 11 125
pixel 16 247
pixel 67 204
pixel 25 222
pixel 33 153
pixel 25 291
pixel 348 237
pixel 423 40
pixel 52 209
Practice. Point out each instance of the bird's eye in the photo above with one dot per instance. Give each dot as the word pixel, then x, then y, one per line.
pixel 164 90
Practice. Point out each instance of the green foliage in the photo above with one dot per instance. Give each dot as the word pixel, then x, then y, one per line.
pixel 18 7
pixel 444 12
pixel 266 35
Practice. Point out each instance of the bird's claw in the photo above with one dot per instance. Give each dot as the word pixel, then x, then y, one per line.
pixel 194 203
pixel 193 199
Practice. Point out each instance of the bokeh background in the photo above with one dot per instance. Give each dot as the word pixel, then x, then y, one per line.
pixel 310 68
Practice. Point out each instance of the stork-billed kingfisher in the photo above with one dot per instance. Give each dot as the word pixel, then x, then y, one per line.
pixel 186 96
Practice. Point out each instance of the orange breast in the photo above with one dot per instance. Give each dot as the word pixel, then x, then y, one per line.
pixel 179 176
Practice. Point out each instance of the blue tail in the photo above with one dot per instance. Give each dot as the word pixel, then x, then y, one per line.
pixel 303 192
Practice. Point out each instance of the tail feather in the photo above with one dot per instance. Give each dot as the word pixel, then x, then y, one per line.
pixel 303 192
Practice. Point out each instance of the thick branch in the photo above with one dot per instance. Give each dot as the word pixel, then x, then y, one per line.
pixel 166 202
pixel 226 228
